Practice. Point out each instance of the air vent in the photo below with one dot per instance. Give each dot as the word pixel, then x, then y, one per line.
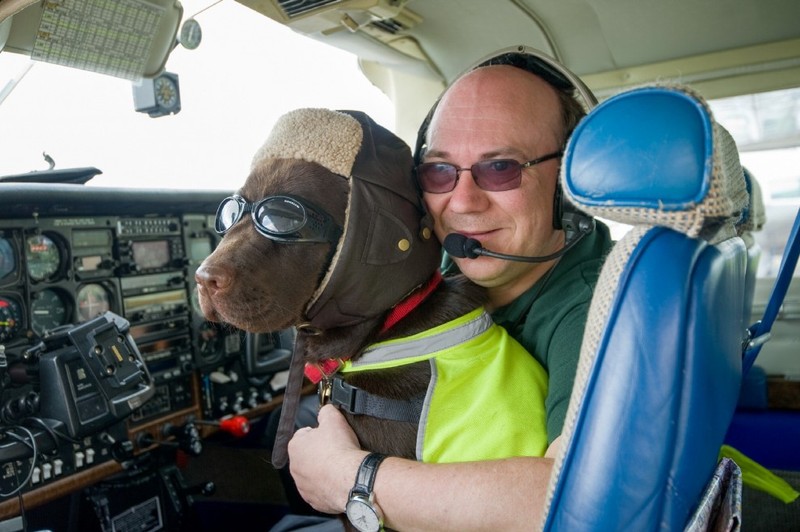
pixel 390 25
pixel 296 8
pixel 388 21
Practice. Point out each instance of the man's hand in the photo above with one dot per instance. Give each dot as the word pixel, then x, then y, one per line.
pixel 414 495
pixel 334 444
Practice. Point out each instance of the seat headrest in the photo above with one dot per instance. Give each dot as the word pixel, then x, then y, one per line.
pixel 655 156
pixel 755 215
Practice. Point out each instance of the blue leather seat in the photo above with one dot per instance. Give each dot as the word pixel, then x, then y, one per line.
pixel 660 367
pixel 753 220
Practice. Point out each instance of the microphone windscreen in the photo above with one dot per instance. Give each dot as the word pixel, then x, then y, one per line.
pixel 460 247
pixel 454 245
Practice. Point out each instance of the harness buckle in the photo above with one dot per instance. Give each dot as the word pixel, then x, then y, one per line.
pixel 324 391
pixel 344 395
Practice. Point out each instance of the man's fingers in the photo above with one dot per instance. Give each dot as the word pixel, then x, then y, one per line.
pixel 329 414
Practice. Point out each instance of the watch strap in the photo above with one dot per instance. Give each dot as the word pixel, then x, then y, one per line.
pixel 367 471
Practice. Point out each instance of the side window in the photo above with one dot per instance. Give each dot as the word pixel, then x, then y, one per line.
pixel 766 128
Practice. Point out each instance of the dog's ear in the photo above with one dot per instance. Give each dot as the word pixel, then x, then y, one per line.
pixel 388 249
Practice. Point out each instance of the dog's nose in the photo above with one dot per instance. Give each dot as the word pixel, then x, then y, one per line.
pixel 212 279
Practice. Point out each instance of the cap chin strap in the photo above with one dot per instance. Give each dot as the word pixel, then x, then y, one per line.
pixel 291 395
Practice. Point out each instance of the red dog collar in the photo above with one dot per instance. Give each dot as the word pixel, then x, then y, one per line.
pixel 323 369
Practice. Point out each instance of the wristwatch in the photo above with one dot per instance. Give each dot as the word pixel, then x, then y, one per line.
pixel 360 509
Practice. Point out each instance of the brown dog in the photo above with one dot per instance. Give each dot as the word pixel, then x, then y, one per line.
pixel 329 235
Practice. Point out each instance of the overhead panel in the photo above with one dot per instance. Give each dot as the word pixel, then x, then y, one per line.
pixel 385 21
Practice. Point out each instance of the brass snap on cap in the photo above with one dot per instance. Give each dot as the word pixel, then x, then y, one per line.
pixel 404 244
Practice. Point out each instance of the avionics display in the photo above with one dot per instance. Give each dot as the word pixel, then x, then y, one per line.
pixel 151 254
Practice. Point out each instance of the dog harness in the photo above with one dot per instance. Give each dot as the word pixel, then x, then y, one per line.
pixel 485 398
pixel 387 246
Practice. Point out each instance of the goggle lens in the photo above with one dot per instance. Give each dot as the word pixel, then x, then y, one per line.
pixel 280 215
pixel 228 214
pixel 279 218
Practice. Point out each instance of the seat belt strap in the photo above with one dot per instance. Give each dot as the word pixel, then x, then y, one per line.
pixel 760 330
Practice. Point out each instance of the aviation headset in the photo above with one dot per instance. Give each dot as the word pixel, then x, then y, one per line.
pixel 556 75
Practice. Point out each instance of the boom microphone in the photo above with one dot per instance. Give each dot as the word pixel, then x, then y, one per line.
pixel 460 246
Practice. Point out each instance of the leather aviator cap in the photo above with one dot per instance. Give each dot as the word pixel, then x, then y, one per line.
pixel 387 248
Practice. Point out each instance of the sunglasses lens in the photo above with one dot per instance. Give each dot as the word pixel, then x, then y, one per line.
pixel 497 174
pixel 227 214
pixel 280 215
pixel 437 178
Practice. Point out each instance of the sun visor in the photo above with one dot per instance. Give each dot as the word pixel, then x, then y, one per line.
pixel 128 39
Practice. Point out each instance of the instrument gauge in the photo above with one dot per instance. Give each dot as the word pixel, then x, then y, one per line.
pixel 8 261
pixel 92 300
pixel 10 319
pixel 209 340
pixel 190 34
pixel 48 311
pixel 43 257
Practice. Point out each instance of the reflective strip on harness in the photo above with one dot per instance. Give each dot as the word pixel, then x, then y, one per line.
pixel 400 351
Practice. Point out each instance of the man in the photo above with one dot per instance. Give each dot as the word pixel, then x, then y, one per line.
pixel 497 112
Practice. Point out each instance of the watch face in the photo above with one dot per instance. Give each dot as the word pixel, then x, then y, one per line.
pixel 362 515
pixel 166 92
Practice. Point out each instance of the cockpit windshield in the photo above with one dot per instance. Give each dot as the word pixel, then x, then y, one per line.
pixel 247 71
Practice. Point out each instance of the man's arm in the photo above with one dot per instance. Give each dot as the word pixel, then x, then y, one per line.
pixel 491 495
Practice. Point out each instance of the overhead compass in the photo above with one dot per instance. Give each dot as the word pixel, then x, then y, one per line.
pixel 158 96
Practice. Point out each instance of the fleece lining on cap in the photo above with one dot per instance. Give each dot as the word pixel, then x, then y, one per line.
pixel 321 136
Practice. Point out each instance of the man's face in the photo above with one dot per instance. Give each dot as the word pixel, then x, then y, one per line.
pixel 493 113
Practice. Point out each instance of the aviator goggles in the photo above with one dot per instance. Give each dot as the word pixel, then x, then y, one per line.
pixel 279 218
pixel 493 175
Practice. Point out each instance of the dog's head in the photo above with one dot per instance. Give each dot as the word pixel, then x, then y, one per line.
pixel 351 176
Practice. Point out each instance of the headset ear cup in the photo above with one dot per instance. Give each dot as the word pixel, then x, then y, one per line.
pixel 565 213
pixel 570 219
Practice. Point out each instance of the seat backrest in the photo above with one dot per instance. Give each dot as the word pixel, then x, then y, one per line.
pixel 660 367
pixel 752 221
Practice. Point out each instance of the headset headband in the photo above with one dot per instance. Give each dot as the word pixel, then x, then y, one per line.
pixel 526 58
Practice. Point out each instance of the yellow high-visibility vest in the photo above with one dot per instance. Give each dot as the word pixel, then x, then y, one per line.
pixel 486 396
